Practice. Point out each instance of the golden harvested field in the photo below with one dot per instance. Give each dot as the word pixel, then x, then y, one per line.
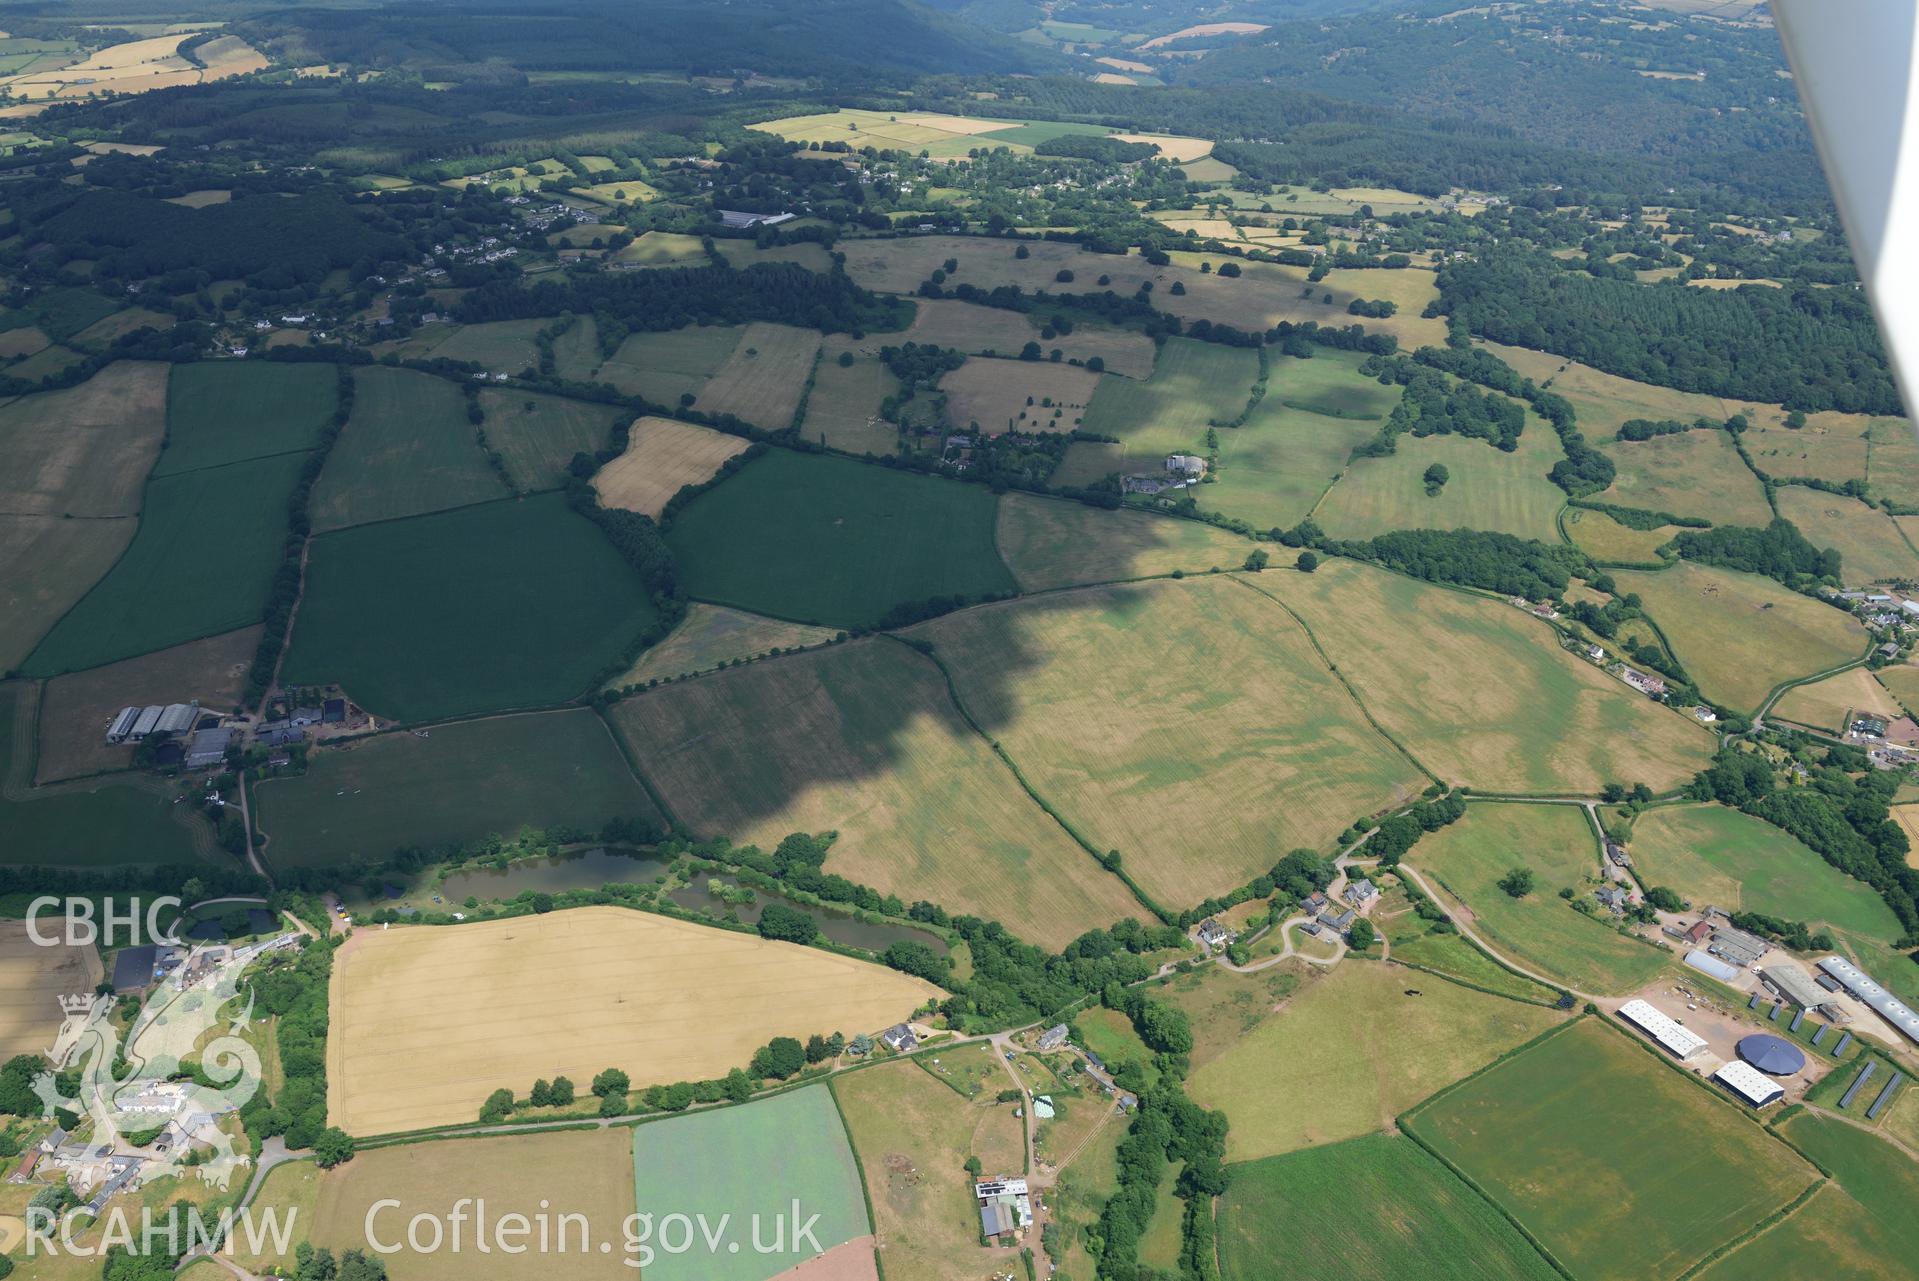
pixel 1872 548
pixel 139 66
pixel 844 409
pixel 863 739
pixel 762 380
pixel 1826 704
pixel 1050 542
pixel 1205 29
pixel 46 565
pixel 1012 395
pixel 1603 401
pixel 1410 288
pixel 912 1135
pixel 713 634
pixel 1740 635
pixel 34 978
pixel 1693 473
pixel 1812 452
pixel 23 341
pixel 662 457
pixel 1171 146
pixel 581 1172
pixel 1608 541
pixel 84 451
pixel 1189 725
pixel 1907 816
pixel 201 199
pixel 499 1003
pixel 77 708
pixel 1482 693
pixel 1350 1051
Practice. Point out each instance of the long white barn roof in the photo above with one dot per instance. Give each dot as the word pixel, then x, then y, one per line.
pixel 1680 1042
pixel 1752 1085
pixel 1860 984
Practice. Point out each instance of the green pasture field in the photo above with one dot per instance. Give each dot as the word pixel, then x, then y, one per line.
pixel 502 346
pixel 751 1162
pixel 665 366
pixel 863 739
pixel 977 330
pixel 102 333
pixel 202 563
pixel 1693 473
pixel 997 395
pixel 1712 854
pixel 62 313
pixel 764 377
pixel 712 636
pixel 1350 1051
pixel 576 352
pixel 1377 1206
pixel 1277 466
pixel 1050 542
pixel 1825 704
pixel 1415 943
pixel 1482 693
pixel 829 541
pixel 1488 489
pixel 665 249
pixel 843 411
pixel 1836 453
pixel 47 564
pixel 1541 931
pixel 102 824
pixel 1197 782
pixel 537 434
pixel 509 604
pixel 1193 382
pixel 1831 1235
pixel 407 450
pixel 1740 635
pixel 1892 460
pixel 1609 542
pixel 1617 1162
pixel 744 253
pixel 1871 546
pixel 461 783
pixel 1328 384
pixel 222 412
pixel 1602 402
pixel 1882 1180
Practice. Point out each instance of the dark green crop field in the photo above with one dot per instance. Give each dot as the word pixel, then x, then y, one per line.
pixel 227 411
pixel 831 541
pixel 202 563
pixel 508 604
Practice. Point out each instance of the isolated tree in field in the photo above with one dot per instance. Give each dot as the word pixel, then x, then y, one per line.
pixel 1436 477
pixel 498 1106
pixel 611 1081
pixel 1360 936
pixel 1518 882
pixel 333 1147
pixel 1307 562
pixel 973 1166
pixel 1256 559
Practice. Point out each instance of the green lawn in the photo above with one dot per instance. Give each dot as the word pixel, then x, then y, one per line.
pixel 460 783
pixel 1716 855
pixel 1541 931
pixel 508 604
pixel 1618 1163
pixel 407 449
pixel 77 825
pixel 227 411
pixel 202 563
pixel 826 540
pixel 1414 943
pixel 1377 1206
pixel 751 1162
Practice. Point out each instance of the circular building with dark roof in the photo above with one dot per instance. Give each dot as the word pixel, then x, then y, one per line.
pixel 1775 1056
